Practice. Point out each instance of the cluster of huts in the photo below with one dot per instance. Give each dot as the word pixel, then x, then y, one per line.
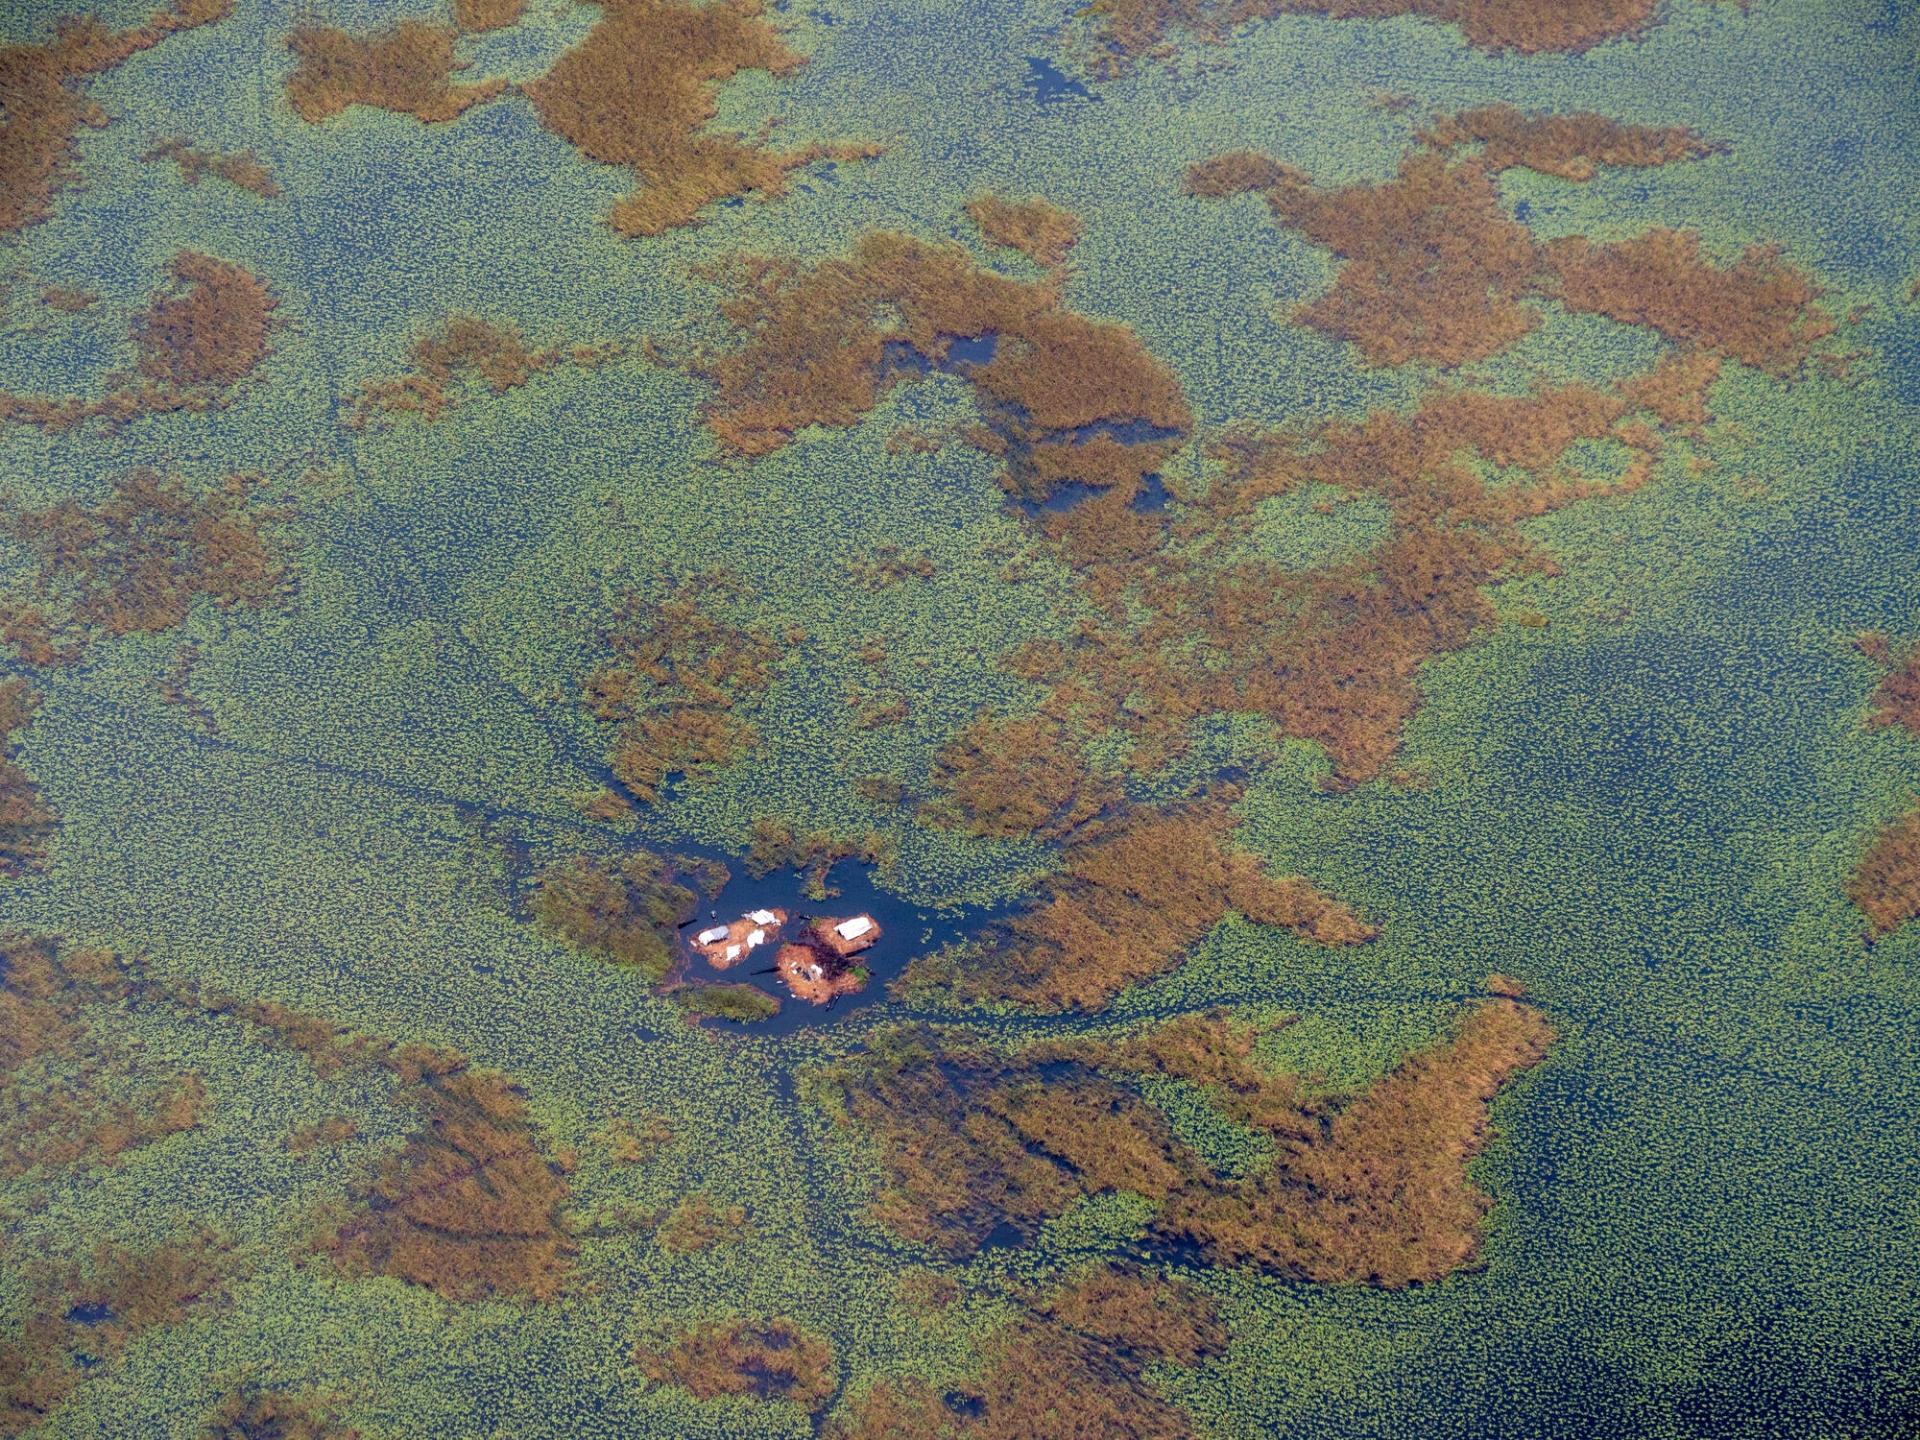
pixel 813 956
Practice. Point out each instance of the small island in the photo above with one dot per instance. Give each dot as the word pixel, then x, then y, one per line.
pixel 819 965
pixel 816 963
pixel 722 946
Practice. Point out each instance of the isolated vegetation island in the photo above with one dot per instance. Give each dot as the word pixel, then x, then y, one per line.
pixel 195 344
pixel 1885 884
pixel 641 912
pixel 46 104
pixel 639 92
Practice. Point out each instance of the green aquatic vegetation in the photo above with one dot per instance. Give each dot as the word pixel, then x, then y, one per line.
pixel 745 1003
pixel 773 1361
pixel 334 809
pixel 1313 524
pixel 629 912
pixel 773 844
pixel 677 671
pixel 251 1413
pixel 26 821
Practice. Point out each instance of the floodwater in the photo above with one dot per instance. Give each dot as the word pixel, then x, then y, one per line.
pixel 906 931
pixel 1359 572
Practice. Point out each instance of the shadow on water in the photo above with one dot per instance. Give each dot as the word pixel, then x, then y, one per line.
pixel 969 350
pixel 1050 86
pixel 1151 498
pixel 964 353
pixel 1012 423
pixel 1153 495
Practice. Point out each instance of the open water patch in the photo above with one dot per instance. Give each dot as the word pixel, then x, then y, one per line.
pixel 906 931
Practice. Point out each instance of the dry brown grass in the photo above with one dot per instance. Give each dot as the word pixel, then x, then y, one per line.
pixel 1005 776
pixel 697 1224
pixel 197 340
pixel 1188 619
pixel 1127 30
pixel 274 1415
pixel 1195 627
pixel 136 562
pixel 46 103
pixel 817 344
pixel 970 1142
pixel 1364 1188
pixel 1036 227
pixel 1126 903
pixel 1574 146
pixel 27 822
pixel 468 348
pixel 770 1360
pixel 211 331
pixel 639 91
pixel 471 1208
pixel 1435 269
pixel 1073 1367
pixel 478 15
pixel 322 1135
pixel 1377 1193
pixel 1896 700
pixel 1760 310
pixel 38 1001
pixel 68 300
pixel 407 68
pixel 678 670
pixel 1885 885
pixel 134 1290
pixel 243 168
pixel 95 1111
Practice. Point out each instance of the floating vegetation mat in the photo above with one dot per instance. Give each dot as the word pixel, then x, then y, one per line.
pixel 1159 720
